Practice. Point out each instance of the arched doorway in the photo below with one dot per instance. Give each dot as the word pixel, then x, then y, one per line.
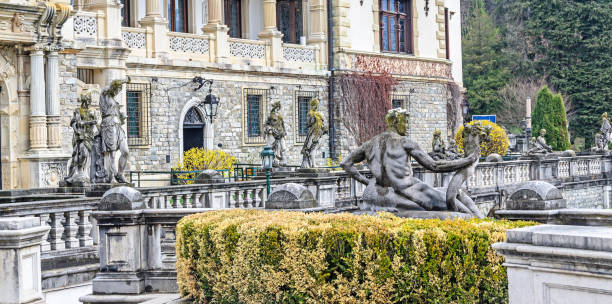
pixel 193 130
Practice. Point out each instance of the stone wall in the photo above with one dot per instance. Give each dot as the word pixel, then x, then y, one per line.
pixel 167 108
pixel 589 197
pixel 426 107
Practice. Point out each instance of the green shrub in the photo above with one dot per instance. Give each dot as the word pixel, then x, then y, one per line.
pixel 255 256
pixel 549 113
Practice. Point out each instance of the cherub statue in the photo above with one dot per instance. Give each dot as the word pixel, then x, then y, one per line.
pixel 437 146
pixel 473 136
pixel 316 130
pixel 83 124
pixel 275 132
pixel 452 151
pixel 113 137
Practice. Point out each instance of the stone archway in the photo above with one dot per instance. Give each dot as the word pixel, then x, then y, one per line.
pixel 193 130
pixel 207 136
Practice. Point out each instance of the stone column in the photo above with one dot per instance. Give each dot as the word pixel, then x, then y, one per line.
pixel 215 11
pixel 20 271
pixel 52 100
pixel 38 120
pixel 271 33
pixel 219 50
pixel 318 30
pixel 158 43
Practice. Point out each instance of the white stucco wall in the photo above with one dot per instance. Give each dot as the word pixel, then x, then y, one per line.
pixel 455 39
pixel 427 45
pixel 362 22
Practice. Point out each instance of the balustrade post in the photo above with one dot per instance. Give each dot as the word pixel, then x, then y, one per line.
pixel 57 231
pixel 85 228
pixel 71 229
pixel 44 221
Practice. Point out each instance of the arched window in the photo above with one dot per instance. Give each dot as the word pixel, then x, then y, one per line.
pixel 395 26
pixel 233 17
pixel 289 20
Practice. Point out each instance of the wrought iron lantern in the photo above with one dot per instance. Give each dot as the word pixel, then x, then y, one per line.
pixel 211 103
pixel 267 160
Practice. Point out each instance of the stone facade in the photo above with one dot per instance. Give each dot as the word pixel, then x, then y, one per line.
pixel 227 127
pixel 81 48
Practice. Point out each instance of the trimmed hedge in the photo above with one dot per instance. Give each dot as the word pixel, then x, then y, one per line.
pixel 256 256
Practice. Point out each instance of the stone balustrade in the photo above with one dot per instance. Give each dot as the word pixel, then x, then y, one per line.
pixel 71 243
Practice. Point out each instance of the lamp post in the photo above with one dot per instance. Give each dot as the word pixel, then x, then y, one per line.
pixel 267 158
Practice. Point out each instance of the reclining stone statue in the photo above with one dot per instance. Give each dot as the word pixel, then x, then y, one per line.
pixel 539 145
pixel 393 188
pixel 473 136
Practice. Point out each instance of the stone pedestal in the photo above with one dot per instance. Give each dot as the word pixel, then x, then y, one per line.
pixel 123 241
pixel 20 271
pixel 558 264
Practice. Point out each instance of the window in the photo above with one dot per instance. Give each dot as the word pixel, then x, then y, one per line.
pixel 395 26
pixel 400 101
pixel 254 111
pixel 138 126
pixel 177 15
pixel 125 13
pixel 233 18
pixel 302 106
pixel 85 75
pixel 289 20
pixel 446 33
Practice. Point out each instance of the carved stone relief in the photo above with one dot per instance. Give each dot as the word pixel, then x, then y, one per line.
pixel 51 173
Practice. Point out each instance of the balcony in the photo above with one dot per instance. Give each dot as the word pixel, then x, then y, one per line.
pixel 207 49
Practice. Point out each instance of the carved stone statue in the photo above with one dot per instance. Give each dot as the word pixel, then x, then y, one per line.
pixel 539 145
pixel 605 133
pixel 275 132
pixel 437 146
pixel 83 125
pixel 452 151
pixel 473 136
pixel 112 135
pixel 393 187
pixel 316 130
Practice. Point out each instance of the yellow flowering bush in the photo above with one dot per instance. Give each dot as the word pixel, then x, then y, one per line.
pixel 197 159
pixel 258 256
pixel 498 142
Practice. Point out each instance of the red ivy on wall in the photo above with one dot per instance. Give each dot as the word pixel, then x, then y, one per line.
pixel 365 100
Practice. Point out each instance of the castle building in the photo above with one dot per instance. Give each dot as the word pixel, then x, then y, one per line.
pixel 255 52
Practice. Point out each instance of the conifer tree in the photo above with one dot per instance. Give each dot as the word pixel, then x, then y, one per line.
pixel 484 73
pixel 549 113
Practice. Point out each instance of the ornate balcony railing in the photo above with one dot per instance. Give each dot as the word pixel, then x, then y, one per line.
pixel 299 53
pixel 134 38
pixel 249 49
pixel 188 43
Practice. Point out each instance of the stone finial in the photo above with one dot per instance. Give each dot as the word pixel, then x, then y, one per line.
pixel 121 198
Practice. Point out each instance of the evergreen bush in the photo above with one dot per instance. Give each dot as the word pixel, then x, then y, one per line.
pixel 256 256
pixel 549 113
